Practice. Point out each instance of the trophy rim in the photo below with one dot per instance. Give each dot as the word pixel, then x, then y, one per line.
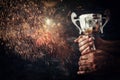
pixel 90 13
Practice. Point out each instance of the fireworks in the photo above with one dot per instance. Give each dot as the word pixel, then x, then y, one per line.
pixel 32 29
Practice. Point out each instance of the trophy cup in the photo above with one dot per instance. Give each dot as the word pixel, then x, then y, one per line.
pixel 89 24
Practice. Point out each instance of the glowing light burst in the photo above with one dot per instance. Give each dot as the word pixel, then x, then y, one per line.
pixel 48 21
pixel 31 31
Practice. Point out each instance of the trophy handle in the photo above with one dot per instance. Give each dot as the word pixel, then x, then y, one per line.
pixel 73 16
pixel 106 21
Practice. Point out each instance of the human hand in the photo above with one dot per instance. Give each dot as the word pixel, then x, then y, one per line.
pixel 91 60
pixel 85 43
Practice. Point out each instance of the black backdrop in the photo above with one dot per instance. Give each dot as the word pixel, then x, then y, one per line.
pixel 13 67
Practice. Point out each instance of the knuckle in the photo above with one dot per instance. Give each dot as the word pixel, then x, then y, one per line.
pixel 79 63
pixel 81 49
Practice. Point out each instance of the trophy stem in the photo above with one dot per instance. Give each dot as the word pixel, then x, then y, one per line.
pixel 93 47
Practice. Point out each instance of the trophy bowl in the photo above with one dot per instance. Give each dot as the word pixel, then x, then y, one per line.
pixel 89 23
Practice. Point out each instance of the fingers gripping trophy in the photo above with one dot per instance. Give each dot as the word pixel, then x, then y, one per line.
pixel 89 24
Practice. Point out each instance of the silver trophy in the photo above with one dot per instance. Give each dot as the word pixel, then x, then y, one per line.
pixel 90 23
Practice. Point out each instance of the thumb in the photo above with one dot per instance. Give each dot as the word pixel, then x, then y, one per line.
pixel 76 40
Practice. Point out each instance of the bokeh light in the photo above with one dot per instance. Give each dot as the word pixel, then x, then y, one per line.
pixel 33 30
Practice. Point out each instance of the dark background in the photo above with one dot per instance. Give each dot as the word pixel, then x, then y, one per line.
pixel 13 67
